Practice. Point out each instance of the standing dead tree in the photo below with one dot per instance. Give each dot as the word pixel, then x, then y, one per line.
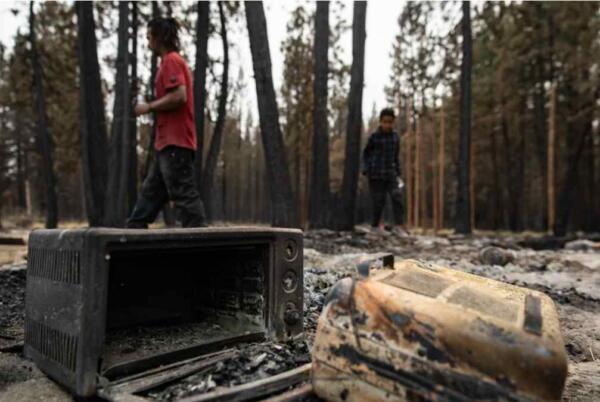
pixel 202 25
pixel 463 207
pixel 320 196
pixel 550 186
pixel 417 207
pixel 44 138
pixel 208 172
pixel 441 169
pixel 92 120
pixel 282 199
pixel 132 178
pixel 351 162
pixel 116 197
pixel 153 68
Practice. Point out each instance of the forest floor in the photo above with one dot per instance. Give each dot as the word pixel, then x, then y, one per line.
pixel 569 275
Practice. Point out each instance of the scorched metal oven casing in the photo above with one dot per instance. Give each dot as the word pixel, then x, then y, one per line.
pixel 68 292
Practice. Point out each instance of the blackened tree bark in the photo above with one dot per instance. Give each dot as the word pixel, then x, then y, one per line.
pixel 215 144
pixel 202 25
pixel 282 199
pixel 153 67
pixel 518 159
pixel 463 205
pixel 93 121
pixel 581 129
pixel 320 196
pixel 567 193
pixel 133 159
pixel 539 99
pixel 20 159
pixel 351 162
pixel 44 138
pixel 116 197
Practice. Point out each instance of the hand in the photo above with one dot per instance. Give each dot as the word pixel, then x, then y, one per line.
pixel 142 108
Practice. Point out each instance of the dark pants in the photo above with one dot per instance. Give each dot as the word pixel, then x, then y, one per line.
pixel 379 190
pixel 171 177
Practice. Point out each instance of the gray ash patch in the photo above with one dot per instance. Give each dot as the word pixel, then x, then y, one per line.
pixel 330 256
pixel 254 362
pixel 12 298
pixel 135 343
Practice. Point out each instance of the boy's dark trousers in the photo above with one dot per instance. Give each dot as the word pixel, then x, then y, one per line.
pixel 379 189
pixel 171 177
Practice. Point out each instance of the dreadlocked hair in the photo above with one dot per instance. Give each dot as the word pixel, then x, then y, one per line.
pixel 166 31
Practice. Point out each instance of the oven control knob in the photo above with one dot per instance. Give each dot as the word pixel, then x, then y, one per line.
pixel 291 315
pixel 289 281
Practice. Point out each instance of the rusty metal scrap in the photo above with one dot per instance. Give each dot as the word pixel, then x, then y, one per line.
pixel 425 332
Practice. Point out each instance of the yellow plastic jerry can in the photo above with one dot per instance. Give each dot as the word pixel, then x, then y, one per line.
pixel 422 332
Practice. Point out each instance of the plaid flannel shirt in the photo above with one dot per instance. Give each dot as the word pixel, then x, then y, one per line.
pixel 380 157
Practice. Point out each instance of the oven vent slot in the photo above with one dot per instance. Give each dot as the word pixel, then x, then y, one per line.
pixel 55 265
pixel 56 345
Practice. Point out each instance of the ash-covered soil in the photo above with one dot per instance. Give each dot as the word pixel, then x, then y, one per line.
pixel 12 301
pixel 571 276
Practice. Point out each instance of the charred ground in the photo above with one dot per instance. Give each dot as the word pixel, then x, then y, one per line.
pixel 571 276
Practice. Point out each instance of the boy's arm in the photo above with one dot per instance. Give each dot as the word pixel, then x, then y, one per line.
pixel 173 99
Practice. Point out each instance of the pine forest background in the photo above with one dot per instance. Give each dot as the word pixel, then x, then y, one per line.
pixel 70 149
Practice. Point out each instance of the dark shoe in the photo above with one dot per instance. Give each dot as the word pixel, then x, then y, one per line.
pixel 200 224
pixel 136 225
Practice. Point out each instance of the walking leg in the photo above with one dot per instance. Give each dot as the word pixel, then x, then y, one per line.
pixel 377 189
pixel 152 197
pixel 177 168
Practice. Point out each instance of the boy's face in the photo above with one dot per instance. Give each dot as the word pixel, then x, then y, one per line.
pixel 387 124
pixel 152 44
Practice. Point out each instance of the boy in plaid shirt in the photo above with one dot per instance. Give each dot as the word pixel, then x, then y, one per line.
pixel 382 166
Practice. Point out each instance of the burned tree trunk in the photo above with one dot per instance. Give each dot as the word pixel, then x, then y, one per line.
pixel 92 119
pixel 351 162
pixel 215 144
pixel 320 196
pixel 200 86
pixel 44 138
pixel 581 128
pixel 282 199
pixel 153 67
pixel 550 178
pixel 539 99
pixel 463 207
pixel 133 159
pixel 566 196
pixel 20 160
pixel 116 200
pixel 442 168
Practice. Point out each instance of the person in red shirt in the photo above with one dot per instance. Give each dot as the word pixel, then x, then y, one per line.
pixel 171 175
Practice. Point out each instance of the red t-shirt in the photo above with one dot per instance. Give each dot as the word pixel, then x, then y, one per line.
pixel 175 127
